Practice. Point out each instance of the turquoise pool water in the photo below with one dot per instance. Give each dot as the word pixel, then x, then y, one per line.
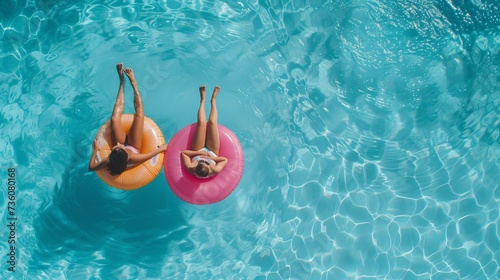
pixel 370 130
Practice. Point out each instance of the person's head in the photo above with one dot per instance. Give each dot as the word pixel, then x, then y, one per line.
pixel 201 170
pixel 117 161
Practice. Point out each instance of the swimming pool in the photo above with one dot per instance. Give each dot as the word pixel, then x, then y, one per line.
pixel 370 131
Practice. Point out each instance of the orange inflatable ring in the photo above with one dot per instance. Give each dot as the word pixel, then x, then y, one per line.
pixel 142 174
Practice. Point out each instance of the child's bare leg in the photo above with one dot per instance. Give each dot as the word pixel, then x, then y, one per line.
pixel 134 137
pixel 213 141
pixel 201 125
pixel 117 133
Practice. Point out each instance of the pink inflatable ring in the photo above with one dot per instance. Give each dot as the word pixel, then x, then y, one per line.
pixel 203 191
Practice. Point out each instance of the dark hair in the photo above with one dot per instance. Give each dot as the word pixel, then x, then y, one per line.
pixel 117 161
pixel 201 170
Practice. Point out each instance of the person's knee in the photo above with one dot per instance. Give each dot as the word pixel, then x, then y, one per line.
pixel 139 110
pixel 212 122
pixel 115 118
pixel 202 122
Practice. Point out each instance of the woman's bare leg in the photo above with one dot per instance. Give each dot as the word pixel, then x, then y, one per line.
pixel 201 125
pixel 117 133
pixel 134 137
pixel 213 141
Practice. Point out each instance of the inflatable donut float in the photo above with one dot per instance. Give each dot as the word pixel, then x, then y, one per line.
pixel 208 190
pixel 141 174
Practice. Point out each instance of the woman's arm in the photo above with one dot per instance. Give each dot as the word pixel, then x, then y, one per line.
pixel 191 154
pixel 220 164
pixel 93 166
pixel 186 158
pixel 140 158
